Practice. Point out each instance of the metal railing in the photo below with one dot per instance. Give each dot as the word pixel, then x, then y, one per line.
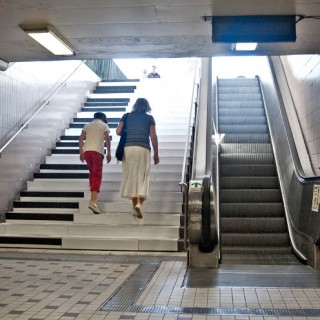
pixel 208 220
pixel 203 239
pixel 184 183
pixel 216 169
pixel 25 125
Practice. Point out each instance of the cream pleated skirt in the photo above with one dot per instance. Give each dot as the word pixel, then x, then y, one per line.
pixel 135 173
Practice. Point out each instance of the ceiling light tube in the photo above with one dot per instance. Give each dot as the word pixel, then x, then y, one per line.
pixel 51 41
pixel 3 65
pixel 245 46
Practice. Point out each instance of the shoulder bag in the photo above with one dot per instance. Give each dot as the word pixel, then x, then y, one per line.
pixel 122 142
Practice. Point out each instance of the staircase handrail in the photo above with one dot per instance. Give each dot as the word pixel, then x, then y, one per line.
pixel 24 126
pixel 184 184
pixel 192 112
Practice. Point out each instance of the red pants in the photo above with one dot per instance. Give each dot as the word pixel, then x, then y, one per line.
pixel 94 162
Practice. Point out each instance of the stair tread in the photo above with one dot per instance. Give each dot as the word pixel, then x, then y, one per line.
pixel 97 224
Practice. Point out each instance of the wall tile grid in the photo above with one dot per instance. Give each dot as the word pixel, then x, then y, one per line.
pixel 23 88
pixel 303 75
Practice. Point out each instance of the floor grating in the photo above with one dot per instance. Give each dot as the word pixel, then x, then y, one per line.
pixel 129 292
pixel 227 311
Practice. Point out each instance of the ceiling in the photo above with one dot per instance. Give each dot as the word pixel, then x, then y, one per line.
pixel 100 29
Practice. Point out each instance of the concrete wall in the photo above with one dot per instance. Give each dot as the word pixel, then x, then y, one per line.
pixel 303 76
pixel 23 88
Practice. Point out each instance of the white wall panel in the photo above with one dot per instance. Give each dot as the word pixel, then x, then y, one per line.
pixel 23 88
pixel 303 76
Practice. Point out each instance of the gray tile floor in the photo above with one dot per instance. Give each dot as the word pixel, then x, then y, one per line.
pixel 40 284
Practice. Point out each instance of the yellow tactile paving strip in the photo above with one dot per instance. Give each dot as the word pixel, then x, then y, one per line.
pixel 37 286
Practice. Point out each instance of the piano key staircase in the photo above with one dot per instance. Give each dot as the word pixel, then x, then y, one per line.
pixel 53 211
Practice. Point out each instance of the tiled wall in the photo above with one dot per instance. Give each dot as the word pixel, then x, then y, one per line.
pixel 23 88
pixel 303 76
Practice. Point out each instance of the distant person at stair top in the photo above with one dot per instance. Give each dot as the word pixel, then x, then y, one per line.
pixel 91 145
pixel 141 127
pixel 153 74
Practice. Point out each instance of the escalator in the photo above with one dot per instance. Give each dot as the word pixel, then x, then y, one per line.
pixel 253 223
pixel 249 200
pixel 247 220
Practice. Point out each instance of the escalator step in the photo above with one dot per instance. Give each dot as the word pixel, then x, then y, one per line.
pixel 255 239
pixel 238 82
pixel 249 182
pixel 250 196
pixel 261 251
pixel 242 129
pixel 244 148
pixel 248 170
pixel 253 225
pixel 236 120
pixel 251 209
pixel 246 138
pixel 240 112
pixel 252 90
pixel 247 159
pixel 239 96
pixel 240 104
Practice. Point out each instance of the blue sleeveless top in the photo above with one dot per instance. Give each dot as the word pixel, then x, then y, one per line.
pixel 138 129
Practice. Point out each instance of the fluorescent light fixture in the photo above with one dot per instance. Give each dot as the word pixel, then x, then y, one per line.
pixel 51 41
pixel 245 46
pixel 3 65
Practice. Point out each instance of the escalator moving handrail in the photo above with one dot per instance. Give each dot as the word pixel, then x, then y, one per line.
pixel 292 147
pixel 206 244
pixel 296 161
